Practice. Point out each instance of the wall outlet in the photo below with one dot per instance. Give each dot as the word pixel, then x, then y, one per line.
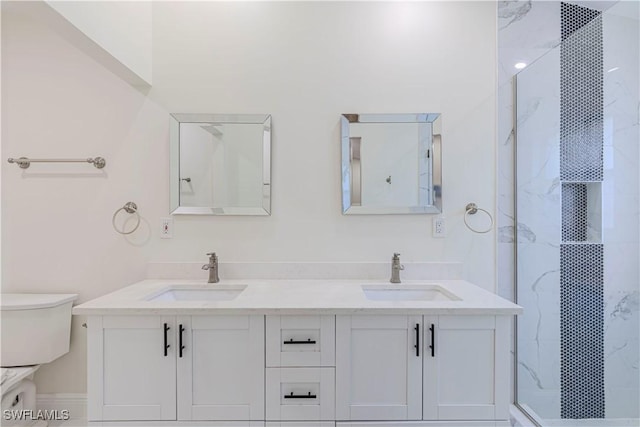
pixel 439 227
pixel 166 230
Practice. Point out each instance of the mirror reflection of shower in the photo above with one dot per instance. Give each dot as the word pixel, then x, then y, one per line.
pixel 356 171
pixel 213 128
pixel 220 164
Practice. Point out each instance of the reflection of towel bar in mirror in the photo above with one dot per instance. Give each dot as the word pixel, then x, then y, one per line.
pixel 25 162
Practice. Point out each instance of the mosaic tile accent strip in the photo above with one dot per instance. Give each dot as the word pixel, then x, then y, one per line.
pixel 574 17
pixel 574 212
pixel 581 94
pixel 582 342
pixel 581 331
pixel 581 265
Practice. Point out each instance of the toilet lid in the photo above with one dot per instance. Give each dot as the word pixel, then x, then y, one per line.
pixel 33 301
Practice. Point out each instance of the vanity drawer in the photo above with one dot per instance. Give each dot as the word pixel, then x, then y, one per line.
pixel 301 394
pixel 300 341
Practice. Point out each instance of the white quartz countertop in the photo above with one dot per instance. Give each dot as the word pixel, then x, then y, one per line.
pixel 276 296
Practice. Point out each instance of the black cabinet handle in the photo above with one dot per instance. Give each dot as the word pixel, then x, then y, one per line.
pixel 417 346
pixel 180 346
pixel 300 396
pixel 433 341
pixel 166 345
pixel 291 341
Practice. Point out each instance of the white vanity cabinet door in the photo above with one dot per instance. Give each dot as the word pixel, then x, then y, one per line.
pixel 130 376
pixel 221 368
pixel 467 376
pixel 378 368
pixel 300 341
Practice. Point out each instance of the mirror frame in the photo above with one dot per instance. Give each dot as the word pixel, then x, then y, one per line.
pixel 174 158
pixel 348 207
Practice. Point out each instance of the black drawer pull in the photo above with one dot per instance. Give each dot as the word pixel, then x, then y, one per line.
pixel 166 345
pixel 180 346
pixel 433 341
pixel 300 396
pixel 417 346
pixel 291 341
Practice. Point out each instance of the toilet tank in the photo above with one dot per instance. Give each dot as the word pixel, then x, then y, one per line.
pixel 35 328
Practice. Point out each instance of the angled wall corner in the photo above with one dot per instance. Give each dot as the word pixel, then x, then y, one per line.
pixel 118 35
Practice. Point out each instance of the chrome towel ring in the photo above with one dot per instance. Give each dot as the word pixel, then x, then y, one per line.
pixel 472 209
pixel 130 208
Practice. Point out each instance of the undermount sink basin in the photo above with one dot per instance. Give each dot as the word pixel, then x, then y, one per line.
pixel 431 292
pixel 212 293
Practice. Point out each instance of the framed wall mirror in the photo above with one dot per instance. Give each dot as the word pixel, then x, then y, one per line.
pixel 391 163
pixel 221 164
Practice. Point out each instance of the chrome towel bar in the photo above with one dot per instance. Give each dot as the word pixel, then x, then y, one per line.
pixel 25 162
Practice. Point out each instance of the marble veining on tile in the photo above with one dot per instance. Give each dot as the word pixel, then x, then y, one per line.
pixel 512 11
pixel 626 306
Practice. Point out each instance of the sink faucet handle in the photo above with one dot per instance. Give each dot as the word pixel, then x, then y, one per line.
pixel 395 268
pixel 212 266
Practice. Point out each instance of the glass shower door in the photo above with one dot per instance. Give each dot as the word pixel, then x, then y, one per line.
pixel 577 204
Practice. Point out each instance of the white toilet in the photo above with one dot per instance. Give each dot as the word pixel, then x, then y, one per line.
pixel 36 329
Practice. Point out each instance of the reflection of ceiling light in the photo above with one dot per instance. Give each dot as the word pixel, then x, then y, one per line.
pixel 613 69
pixel 520 65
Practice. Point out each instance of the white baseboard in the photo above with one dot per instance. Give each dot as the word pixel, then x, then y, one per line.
pixel 447 423
pixel 75 403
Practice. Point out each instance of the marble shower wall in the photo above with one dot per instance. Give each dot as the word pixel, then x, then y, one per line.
pixel 528 31
pixel 538 204
pixel 621 207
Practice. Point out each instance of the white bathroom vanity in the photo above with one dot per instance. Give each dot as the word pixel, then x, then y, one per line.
pixel 303 353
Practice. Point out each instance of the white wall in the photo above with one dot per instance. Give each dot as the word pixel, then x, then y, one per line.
pixel 122 28
pixel 303 63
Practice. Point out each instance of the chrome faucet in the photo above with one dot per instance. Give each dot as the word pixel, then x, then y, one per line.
pixel 395 268
pixel 212 267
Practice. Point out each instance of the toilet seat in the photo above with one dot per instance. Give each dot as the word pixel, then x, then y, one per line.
pixel 15 375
